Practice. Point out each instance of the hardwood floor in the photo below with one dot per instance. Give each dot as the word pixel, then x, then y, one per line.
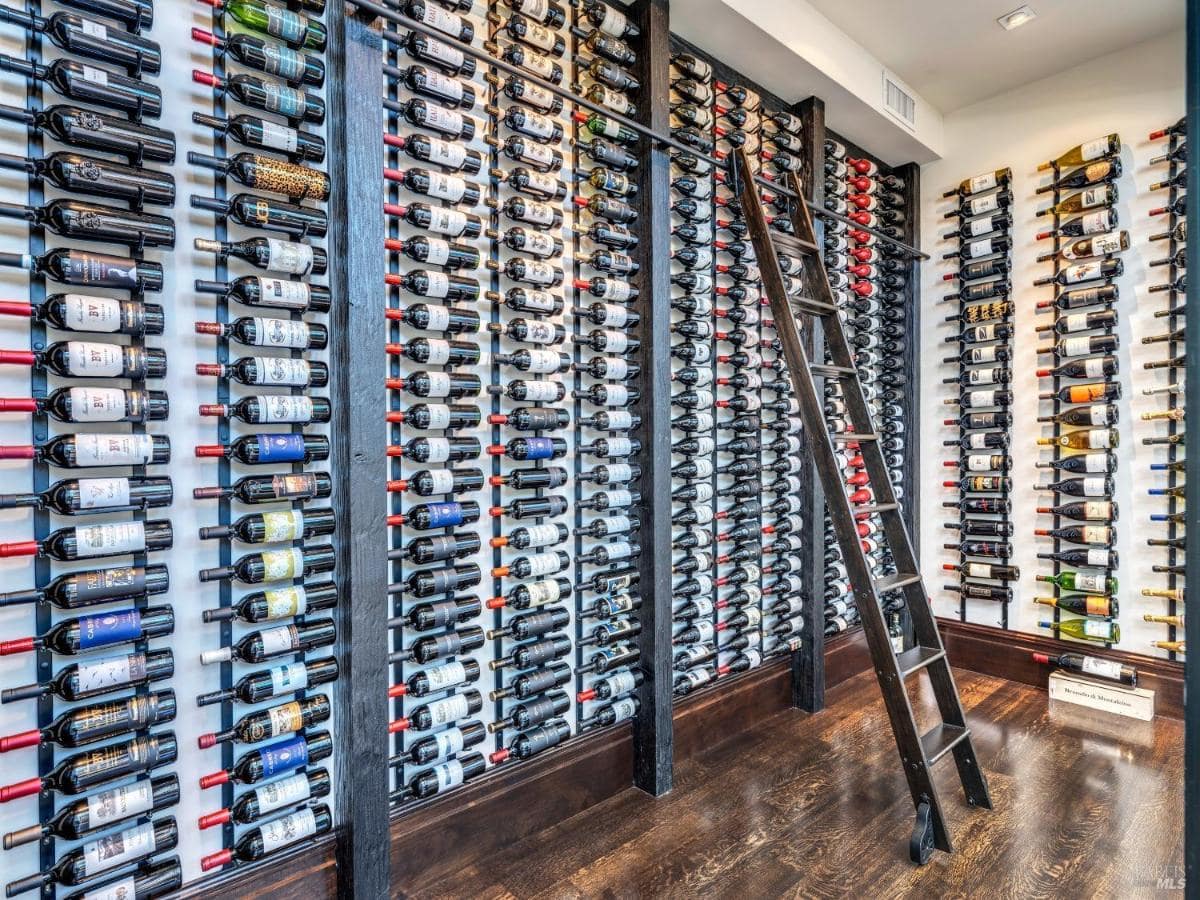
pixel 1086 806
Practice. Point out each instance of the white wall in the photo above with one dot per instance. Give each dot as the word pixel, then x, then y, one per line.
pixel 1130 92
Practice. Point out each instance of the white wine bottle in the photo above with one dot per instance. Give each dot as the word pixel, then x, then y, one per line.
pixel 1109 145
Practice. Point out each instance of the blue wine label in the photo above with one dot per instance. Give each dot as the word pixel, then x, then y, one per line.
pixel 539 448
pixel 275 448
pixel 443 515
pixel 283 100
pixel 283 756
pixel 282 61
pixel 283 23
pixel 109 628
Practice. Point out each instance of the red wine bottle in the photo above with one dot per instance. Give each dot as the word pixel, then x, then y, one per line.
pixel 253 131
pixel 93 404
pixel 96 222
pixel 267 214
pixel 89 269
pixel 85 725
pixel 85 313
pixel 275 565
pixel 91 39
pixel 268 174
pixel 78 820
pixel 78 174
pixel 103 87
pixel 273 409
pixel 91 130
pixel 267 798
pixel 271 57
pixel 263 840
pixel 281 757
pixel 272 722
pixel 278 681
pixel 269 489
pixel 268 449
pixel 92 678
pixel 93 768
pixel 88 496
pixel 276 526
pixel 268 643
pixel 85 633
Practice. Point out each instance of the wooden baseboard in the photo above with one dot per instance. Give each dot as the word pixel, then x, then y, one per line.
pixel 1009 654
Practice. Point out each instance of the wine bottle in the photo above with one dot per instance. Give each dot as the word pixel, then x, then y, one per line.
pixel 1082 581
pixel 267 214
pixel 273 409
pixel 91 84
pixel 270 797
pixel 1107 267
pixel 1092 666
pixel 281 757
pixel 441 777
pixel 274 20
pixel 87 496
pixel 275 565
pixel 1109 145
pixel 91 359
pixel 260 133
pixel 91 130
pixel 267 56
pixel 1095 222
pixel 270 837
pixel 86 633
pixel 271 255
pixel 1103 195
pixel 93 768
pixel 79 174
pixel 260 291
pixel 259 646
pixel 268 174
pixel 272 722
pixel 1101 557
pixel 85 725
pixel 95 222
pixel 1101 631
pixel 83 680
pixel 266 684
pixel 91 39
pixel 86 313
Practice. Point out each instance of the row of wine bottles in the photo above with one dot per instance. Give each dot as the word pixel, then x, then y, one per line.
pixel 982 257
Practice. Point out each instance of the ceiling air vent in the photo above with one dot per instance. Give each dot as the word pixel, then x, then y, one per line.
pixel 898 101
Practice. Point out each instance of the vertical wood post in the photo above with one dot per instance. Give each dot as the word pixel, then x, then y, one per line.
pixel 359 462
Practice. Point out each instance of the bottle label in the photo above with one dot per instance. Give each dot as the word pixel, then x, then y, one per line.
pixel 540 127
pixel 979 462
pixel 280 720
pixel 288 678
pixel 1096 509
pixel 82 312
pixel 979 570
pixel 284 792
pixel 1098 558
pixel 113 450
pixel 1093 196
pixel 442 677
pixel 282 564
pixel 539 213
pixel 116 849
pixel 542 535
pixel 281 371
pixel 1101 668
pixel 539 448
pixel 280 291
pixel 97 404
pixel 441 119
pixel 280 333
pixel 441 481
pixel 1095 222
pixel 125 889
pixel 438 450
pixel 616 395
pixel 94 75
pixel 443 53
pixel 436 17
pixel 618 472
pixel 279 137
pixel 448 709
pixel 449 88
pixel 1095 534
pixel 705 630
pixel 980 226
pixel 110 672
pixel 613 524
pixel 983 355
pixel 446 187
pixel 538 272
pixel 284 755
pixel 278 640
pixel 449 774
pixel 981 205
pixel 282 61
pixel 537 64
pixel 1075 322
pixel 103 493
pixel 288 830
pixel 283 408
pixel 447 221
pixel 286 101
pixel 274 448
pixel 697 677
pixel 541 245
pixel 119 803
pixel 618 500
pixel 544 564
pixel 1103 244
pixel 439 350
pixel 444 515
pixel 619 447
pixel 618 419
pixel 283 526
pixel 1095 487
pixel 982 183
pixel 1101 631
pixel 1082 272
pixel 624 709
pixel 110 540
pixel 616 290
pixel 1093 149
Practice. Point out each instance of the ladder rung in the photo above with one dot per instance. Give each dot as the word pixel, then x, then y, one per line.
pixel 791 246
pixel 833 371
pixel 895 581
pixel 916 658
pixel 943 738
pixel 814 307
pixel 872 508
pixel 850 437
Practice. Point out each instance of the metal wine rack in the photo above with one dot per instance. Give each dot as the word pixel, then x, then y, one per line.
pixel 981 267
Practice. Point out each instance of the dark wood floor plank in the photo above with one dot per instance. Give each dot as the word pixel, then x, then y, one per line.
pixel 1086 806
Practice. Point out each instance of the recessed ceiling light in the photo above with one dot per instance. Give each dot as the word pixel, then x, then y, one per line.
pixel 1022 15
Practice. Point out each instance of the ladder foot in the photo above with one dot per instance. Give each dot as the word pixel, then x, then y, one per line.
pixel 920 845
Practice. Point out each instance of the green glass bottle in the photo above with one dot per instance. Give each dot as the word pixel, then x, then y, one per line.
pixel 603 126
pixel 1100 631
pixel 1082 581
pixel 277 21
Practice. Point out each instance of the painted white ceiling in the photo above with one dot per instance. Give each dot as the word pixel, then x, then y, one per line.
pixel 953 53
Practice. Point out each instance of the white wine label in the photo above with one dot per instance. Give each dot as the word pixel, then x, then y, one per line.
pixel 95 360
pixel 284 719
pixel 979 462
pixel 286 791
pixel 281 370
pixel 976 249
pixel 448 743
pixel 1095 222
pixel 442 119
pixel 1101 668
pixel 288 677
pixel 1099 439
pixel 439 316
pixel 438 450
pixel 436 17
pixel 1093 149
pixel 542 362
pixel 980 226
pixel 450 154
pixel 619 500
pixel 280 333
pixel 619 447
pixel 439 384
pixel 110 540
pixel 620 683
pixel 616 395
pixel 1094 196
pixel 705 631
pixel 442 677
pixel 540 302
pixel 285 409
pixel 1075 322
pixel 539 213
pixel 701 353
pixel 446 187
pixel 1095 534
pixel 103 493
pixel 125 889
pixel 1098 558
pixel 615 341
pixel 109 672
pixel 541 127
pixel 614 524
pixel 617 290
pixel 543 592
pixel 982 398
pixel 981 376
pixel 447 221
pixel 542 183
pixel 542 333
pixel 1094 368
pixel 437 284
pixel 97 404
pixel 1103 244
pixel 278 640
pixel 281 564
pixel 1097 630
pixel 291 257
pixel 983 355
pixel 279 137
pixel 113 449
pixel 698 677
pixel 1095 487
pixel 94 75
pixel 537 391
pixel 1097 509
pixel 619 550
pixel 540 272
pixel 288 830
pixel 981 205
pixel 284 293
pixel 119 803
pixel 542 535
pixel 449 709
pixel 538 64
pixel 538 154
pixel 82 312
pixel 93 29
pixel 537 96
pixel 439 352
pixel 440 84
pixel 283 526
pixel 979 570
pixel 541 244
pixel 439 413
pixel 704 514
pixel 544 564
pixel 624 709
pixel 1082 272
pixel 116 849
pixel 619 472
pixel 1077 346
pixel 982 183
pixel 449 774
